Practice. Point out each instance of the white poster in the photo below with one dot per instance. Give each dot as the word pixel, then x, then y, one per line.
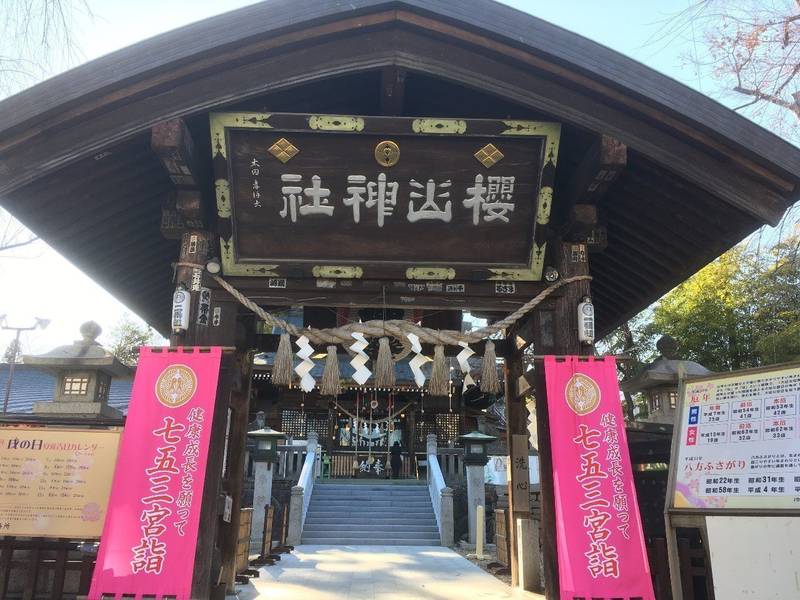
pixel 739 445
pixel 496 470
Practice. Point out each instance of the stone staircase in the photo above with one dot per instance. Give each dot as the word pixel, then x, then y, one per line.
pixel 382 513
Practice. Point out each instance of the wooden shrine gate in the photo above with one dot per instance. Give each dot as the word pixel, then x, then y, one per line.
pixel 383 169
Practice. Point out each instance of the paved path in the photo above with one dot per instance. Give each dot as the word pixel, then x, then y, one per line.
pixel 376 573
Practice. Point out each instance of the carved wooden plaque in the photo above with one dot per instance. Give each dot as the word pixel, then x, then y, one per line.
pixel 379 197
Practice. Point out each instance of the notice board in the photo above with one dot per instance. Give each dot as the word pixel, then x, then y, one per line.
pixel 738 441
pixel 735 468
pixel 55 482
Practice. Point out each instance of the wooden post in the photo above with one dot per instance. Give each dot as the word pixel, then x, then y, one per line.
pixel 206 560
pixel 195 246
pixel 561 338
pixel 516 425
pixel 233 476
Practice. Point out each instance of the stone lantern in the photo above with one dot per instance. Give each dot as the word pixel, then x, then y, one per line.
pixel 266 444
pixel 83 372
pixel 265 456
pixel 659 381
pixel 475 459
pixel 475 444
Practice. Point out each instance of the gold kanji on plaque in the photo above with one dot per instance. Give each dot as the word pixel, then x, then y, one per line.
pixel 283 150
pixel 489 155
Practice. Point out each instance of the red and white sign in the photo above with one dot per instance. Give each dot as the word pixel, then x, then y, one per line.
pixel 601 551
pixel 150 534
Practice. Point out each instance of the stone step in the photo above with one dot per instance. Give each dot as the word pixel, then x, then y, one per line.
pixel 399 534
pixel 396 483
pixel 428 519
pixel 372 514
pixel 365 491
pixel 387 504
pixel 368 528
pixel 314 541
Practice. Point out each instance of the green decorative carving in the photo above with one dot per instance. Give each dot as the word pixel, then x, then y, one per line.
pixel 223 198
pixel 449 126
pixel 337 272
pixel 233 269
pixel 545 205
pixel 439 273
pixel 532 274
pixel 552 131
pixel 219 121
pixel 336 123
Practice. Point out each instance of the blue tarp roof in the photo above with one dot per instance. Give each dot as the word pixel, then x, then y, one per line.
pixel 33 385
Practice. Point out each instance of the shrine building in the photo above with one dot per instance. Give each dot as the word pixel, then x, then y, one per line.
pixel 272 179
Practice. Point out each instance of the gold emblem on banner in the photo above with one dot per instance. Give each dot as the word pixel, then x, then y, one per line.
pixel 176 386
pixel 582 393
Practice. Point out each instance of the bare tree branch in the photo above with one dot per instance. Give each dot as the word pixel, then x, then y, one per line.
pixel 37 39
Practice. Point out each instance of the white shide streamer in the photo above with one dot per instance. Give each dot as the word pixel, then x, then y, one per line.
pixel 304 368
pixel 463 362
pixel 418 360
pixel 360 360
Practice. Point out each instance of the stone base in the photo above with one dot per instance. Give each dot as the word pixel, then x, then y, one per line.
pixel 77 409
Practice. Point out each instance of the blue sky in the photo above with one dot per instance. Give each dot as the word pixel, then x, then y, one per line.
pixel 39 275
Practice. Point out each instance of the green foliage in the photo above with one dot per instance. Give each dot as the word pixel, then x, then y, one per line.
pixel 13 352
pixel 740 311
pixel 711 314
pixel 127 336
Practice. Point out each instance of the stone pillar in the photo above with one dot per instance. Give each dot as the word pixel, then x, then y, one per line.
pixel 312 445
pixel 476 496
pixel 447 532
pixel 430 444
pixel 528 554
pixel 295 517
pixel 262 497
pixel 313 441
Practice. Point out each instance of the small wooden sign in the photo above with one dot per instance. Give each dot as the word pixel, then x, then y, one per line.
pixel 520 474
pixel 501 536
pixel 374 197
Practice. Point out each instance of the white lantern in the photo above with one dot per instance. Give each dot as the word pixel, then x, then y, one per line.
pixel 181 301
pixel 586 321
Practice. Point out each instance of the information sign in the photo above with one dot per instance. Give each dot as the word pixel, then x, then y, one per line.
pixel 55 482
pixel 738 445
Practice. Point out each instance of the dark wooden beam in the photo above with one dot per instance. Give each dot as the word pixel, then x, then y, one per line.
pixel 173 144
pixel 593 177
pixel 482 295
pixel 268 342
pixel 393 87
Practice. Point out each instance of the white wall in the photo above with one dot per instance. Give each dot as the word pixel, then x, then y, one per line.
pixel 755 558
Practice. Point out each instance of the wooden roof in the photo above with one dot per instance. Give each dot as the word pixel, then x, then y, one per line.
pixel 77 168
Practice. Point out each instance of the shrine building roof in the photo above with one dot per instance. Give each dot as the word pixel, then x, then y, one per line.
pixel 77 166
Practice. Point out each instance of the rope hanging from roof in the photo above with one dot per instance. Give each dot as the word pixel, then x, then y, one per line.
pixel 400 330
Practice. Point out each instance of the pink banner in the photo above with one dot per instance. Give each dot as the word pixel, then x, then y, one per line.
pixel 601 551
pixel 150 533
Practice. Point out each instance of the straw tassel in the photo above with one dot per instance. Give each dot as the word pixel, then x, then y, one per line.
pixel 490 384
pixel 439 384
pixel 282 367
pixel 331 385
pixel 384 365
